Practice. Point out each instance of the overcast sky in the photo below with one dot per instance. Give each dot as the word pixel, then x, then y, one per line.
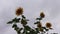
pixel 32 9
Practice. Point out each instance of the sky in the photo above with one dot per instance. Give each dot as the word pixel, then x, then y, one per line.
pixel 32 9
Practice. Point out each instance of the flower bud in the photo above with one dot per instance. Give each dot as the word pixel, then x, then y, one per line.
pixel 42 15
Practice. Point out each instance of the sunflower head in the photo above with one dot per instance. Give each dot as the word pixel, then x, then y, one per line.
pixel 39 25
pixel 48 25
pixel 19 11
pixel 42 15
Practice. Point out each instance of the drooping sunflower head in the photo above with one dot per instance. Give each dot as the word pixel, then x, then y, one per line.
pixel 42 15
pixel 19 11
pixel 48 25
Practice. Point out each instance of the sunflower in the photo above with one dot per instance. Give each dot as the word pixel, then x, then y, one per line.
pixel 19 11
pixel 39 25
pixel 42 15
pixel 48 25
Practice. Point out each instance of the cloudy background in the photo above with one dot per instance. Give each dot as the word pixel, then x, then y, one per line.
pixel 32 9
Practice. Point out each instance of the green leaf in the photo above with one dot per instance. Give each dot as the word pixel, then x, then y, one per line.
pixel 44 27
pixel 14 25
pixel 16 28
pixel 20 29
pixel 37 22
pixel 16 20
pixel 33 32
pixel 37 30
pixel 24 22
pixel 47 29
pixel 38 18
pixel 27 28
pixel 23 31
pixel 23 16
pixel 10 22
pixel 18 32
